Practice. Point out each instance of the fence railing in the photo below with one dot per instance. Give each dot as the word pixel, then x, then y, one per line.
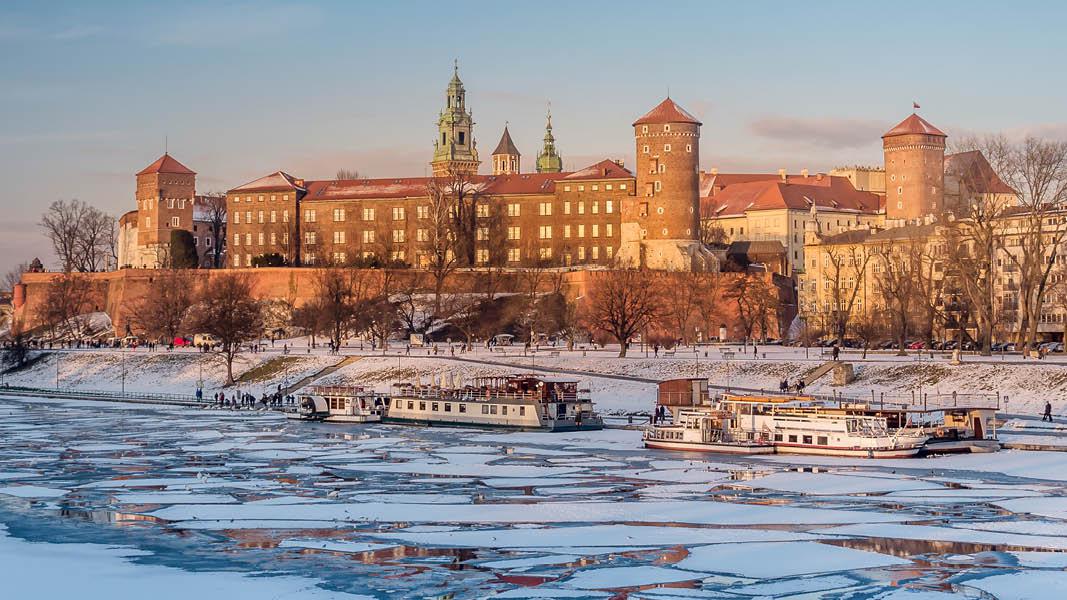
pixel 102 394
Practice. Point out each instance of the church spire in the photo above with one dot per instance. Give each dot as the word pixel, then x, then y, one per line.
pixel 506 157
pixel 548 159
pixel 455 150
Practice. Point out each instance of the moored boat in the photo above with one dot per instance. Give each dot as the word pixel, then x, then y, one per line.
pixel 339 404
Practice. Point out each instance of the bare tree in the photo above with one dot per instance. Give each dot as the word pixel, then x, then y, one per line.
pixel 227 310
pixel 869 327
pixel 162 310
pixel 688 294
pixel 343 174
pixel 845 269
pixel 61 223
pixel 712 233
pixel 93 241
pixel 756 301
pixel 894 274
pixel 621 303
pixel 215 210
pixel 339 292
pixel 14 276
pixel 67 298
pixel 437 240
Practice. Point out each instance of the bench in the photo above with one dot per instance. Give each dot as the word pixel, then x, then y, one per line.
pixel 727 354
pixel 668 353
pixel 554 354
pixel 826 352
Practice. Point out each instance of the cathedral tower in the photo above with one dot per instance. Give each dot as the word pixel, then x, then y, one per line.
pixel 661 223
pixel 454 149
pixel 165 193
pixel 914 169
pixel 506 156
pixel 548 159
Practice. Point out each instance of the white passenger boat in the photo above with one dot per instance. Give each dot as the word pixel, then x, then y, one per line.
pixel 524 402
pixel 339 404
pixel 738 424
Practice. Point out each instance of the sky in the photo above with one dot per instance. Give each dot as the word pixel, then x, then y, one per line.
pixel 92 92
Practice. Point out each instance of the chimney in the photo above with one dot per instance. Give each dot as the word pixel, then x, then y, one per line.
pixel 804 173
pixel 620 162
pixel 781 174
pixel 714 171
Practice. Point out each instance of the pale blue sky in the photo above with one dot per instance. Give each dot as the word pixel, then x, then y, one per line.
pixel 90 89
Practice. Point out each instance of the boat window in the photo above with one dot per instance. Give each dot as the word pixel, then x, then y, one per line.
pixel 398 403
pixel 822 440
pixel 411 405
pixel 492 409
pixel 485 409
pixel 435 407
pixel 503 410
pixel 522 411
pixel 792 439
pixel 807 439
pixel 448 407
pixel 777 437
pixel 462 408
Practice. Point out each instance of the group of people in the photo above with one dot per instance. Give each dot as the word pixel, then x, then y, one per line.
pixel 238 401
pixel 784 386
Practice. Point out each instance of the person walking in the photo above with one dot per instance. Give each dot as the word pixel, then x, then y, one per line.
pixel 835 352
pixel 1048 412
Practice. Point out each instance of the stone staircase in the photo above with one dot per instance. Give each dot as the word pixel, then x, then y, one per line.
pixel 320 374
pixel 843 376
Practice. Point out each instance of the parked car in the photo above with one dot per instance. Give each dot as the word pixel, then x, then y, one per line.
pixel 204 339
pixel 917 345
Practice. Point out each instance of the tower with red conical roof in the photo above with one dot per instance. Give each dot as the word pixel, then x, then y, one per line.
pixel 661 222
pixel 165 193
pixel 914 169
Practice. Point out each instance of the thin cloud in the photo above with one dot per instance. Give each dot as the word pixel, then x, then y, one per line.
pixel 232 24
pixel 821 132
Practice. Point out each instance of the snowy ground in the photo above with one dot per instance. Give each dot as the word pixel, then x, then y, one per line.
pixel 131 501
pixel 617 385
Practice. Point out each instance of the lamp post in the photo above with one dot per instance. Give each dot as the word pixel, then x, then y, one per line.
pixel 122 351
pixel 57 369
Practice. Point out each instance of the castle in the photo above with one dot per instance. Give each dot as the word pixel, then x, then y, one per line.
pixel 655 216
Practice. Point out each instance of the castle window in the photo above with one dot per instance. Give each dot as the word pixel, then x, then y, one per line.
pixel 236 218
pixel 609 206
pixel 644 149
pixel 236 260
pixel 642 211
pixel 444 140
pixel 657 186
pixel 261 197
pixel 422 235
pixel 644 129
pixel 595 206
pixel 248 217
pixel 273 198
pixel 422 212
pixel 622 186
pixel 545 232
pixel 338 237
pixel 368 214
pixel 566 188
pixel 248 239
pixel 397 255
pixel 596 252
pixel 609 251
pixel 581 207
pixel 339 258
pixel 664 231
pixel 207 242
pixel 248 260
pixel 689 147
pixel 545 209
pixel 666 128
pixel 170 202
pixel 174 222
pixel 607 186
pixel 285 216
pixel 273 239
pixel 462 138
pixel 273 216
pixel 607 229
pixel 659 210
pixel 368 236
pixel 581 188
pixel 545 253
pixel 514 255
pixel 596 187
pixel 236 239
pixel 261 216
pixel 482 210
pixel 567 207
pixel 482 234
pixel 260 238
pixel 666 147
pixel 514 233
pixel 595 230
pixel 398 213
pixel 513 210
pixel 482 256
pixel 248 198
pixel 338 214
pixel 309 238
pixel 581 230
pixel 566 231
pixel 309 216
pixel 398 236
pixel 581 252
pixel 662 167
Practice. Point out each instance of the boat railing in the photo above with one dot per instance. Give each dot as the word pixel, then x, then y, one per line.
pixel 337 390
pixel 482 394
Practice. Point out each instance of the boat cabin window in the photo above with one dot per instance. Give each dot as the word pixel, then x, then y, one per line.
pixel 485 409
pixel 503 410
pixel 492 409
pixel 435 407
pixel 411 405
pixel 398 403
pixel 422 406
pixel 448 407
pixel 792 439
pixel 823 441
pixel 777 437
pixel 522 411
pixel 462 408
pixel 807 439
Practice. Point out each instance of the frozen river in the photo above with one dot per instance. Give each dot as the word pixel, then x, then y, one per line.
pixel 119 501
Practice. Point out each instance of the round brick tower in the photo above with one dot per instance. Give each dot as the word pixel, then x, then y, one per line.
pixel 661 222
pixel 914 169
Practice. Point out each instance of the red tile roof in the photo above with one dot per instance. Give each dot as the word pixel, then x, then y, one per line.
pixel 798 193
pixel 976 172
pixel 166 164
pixel 667 112
pixel 276 181
pixel 912 125
pixel 605 169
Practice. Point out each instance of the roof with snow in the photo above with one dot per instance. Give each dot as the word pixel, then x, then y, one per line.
pixel 605 169
pixel 506 146
pixel 667 112
pixel 166 164
pixel 914 125
pixel 276 181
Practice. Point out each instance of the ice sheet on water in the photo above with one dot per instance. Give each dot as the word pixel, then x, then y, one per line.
pixel 777 589
pixel 609 578
pixel 533 561
pixel 32 491
pixel 947 534
pixel 783 559
pixel 832 483
pixel 174 498
pixel 99 571
pixel 1054 507
pixel 549 592
pixel 427 468
pixel 346 546
pixel 1029 585
pixel 1041 560
pixel 591 536
pixel 522 482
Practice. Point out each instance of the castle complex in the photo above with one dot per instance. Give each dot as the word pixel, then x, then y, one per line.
pixel 658 215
